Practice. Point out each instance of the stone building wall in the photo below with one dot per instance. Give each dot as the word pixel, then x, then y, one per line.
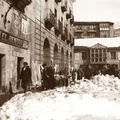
pixel 14 44
pixel 30 40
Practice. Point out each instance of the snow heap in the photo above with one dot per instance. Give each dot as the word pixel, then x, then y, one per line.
pixel 101 82
pixel 96 99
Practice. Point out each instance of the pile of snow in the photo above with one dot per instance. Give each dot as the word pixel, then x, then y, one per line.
pixel 101 82
pixel 82 101
pixel 102 86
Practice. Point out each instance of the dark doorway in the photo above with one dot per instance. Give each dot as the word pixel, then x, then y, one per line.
pixel 19 67
pixel 2 68
pixel 46 51
pixel 56 54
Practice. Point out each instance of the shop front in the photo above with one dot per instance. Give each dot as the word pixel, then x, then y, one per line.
pixel 13 52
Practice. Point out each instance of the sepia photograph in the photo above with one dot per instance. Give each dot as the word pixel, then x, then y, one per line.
pixel 59 59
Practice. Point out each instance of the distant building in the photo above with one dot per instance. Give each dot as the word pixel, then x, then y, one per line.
pixel 117 32
pixel 97 54
pixel 81 56
pixel 93 29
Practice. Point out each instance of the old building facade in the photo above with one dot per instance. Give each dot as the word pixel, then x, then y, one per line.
pixel 117 32
pixel 96 55
pixel 93 29
pixel 34 31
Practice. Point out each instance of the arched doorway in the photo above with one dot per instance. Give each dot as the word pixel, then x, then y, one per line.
pixel 55 54
pixel 67 60
pixel 71 60
pixel 46 51
pixel 62 59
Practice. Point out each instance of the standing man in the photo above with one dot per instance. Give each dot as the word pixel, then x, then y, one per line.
pixel 45 77
pixel 25 76
pixel 88 72
pixel 51 79
pixel 80 73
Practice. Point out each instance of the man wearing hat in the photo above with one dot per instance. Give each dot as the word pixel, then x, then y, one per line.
pixel 25 76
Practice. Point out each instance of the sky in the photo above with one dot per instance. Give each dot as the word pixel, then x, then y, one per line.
pixel 109 42
pixel 97 10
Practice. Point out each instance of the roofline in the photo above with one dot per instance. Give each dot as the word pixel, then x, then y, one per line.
pixel 92 22
pixel 85 47
pixel 80 47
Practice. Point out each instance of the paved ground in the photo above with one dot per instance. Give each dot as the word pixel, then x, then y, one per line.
pixel 4 97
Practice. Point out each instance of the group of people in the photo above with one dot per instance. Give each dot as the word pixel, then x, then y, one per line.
pixel 48 76
pixel 48 81
pixel 48 72
pixel 88 71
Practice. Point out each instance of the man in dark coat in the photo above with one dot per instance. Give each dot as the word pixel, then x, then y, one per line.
pixel 25 76
pixel 45 77
pixel 110 70
pixel 51 79
pixel 80 73
pixel 88 72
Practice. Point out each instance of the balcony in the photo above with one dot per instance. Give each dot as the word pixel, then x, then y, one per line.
pixel 68 15
pixel 69 38
pixel 64 6
pixel 64 34
pixel 58 27
pixel 92 30
pixel 72 42
pixel 21 4
pixel 78 29
pixel 72 19
pixel 57 1
pixel 49 18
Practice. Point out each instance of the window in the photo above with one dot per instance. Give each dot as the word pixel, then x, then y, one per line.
pixel 84 55
pixel 100 50
pixel 24 26
pixel 62 19
pixel 94 28
pixel 77 56
pixel 96 50
pixel 104 59
pixel 92 60
pixel 100 60
pixel 92 55
pixel 96 55
pixel 104 50
pixel 55 13
pixel 96 60
pixel 113 55
pixel 92 50
pixel 104 54
pixel 100 54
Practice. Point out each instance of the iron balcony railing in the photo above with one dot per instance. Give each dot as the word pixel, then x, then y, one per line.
pixel 72 19
pixel 69 38
pixel 68 15
pixel 64 6
pixel 58 26
pixel 72 42
pixel 21 4
pixel 49 18
pixel 57 1
pixel 64 34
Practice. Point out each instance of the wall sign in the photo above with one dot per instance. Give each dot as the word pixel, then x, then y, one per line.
pixel 12 40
